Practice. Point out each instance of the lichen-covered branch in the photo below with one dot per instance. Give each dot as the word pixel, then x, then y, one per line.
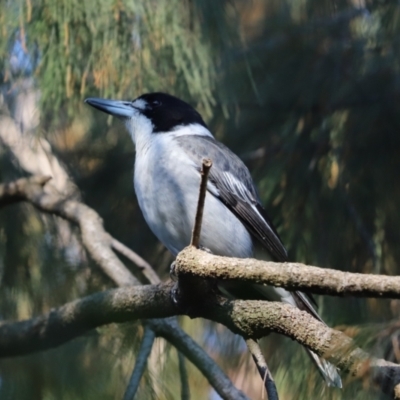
pixel 253 319
pixel 99 243
pixel 76 318
pixel 292 276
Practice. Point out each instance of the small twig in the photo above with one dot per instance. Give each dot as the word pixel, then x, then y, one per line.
pixel 262 367
pixel 167 328
pixel 141 360
pixel 207 163
pixel 185 390
pixel 146 268
pixel 16 191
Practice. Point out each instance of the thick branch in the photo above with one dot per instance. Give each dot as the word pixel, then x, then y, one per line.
pixel 35 155
pixel 292 276
pixel 76 318
pixel 249 319
pixel 99 243
pixel 253 319
pixel 14 192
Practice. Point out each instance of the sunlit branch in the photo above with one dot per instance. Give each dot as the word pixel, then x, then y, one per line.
pixel 292 276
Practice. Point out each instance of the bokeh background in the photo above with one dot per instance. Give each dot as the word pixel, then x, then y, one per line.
pixel 306 92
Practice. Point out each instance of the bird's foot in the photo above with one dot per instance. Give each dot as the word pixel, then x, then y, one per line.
pixel 175 294
pixel 206 249
pixel 172 272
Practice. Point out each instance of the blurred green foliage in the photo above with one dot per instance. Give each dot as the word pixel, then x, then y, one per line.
pixel 306 92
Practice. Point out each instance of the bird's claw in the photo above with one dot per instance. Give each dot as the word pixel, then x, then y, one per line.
pixel 206 249
pixel 175 294
pixel 172 272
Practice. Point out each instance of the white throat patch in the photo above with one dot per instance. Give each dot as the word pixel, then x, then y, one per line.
pixel 141 130
pixel 191 129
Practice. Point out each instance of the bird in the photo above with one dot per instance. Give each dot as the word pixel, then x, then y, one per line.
pixel 171 139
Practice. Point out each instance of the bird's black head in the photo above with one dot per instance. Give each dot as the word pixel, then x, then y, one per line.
pixel 160 112
pixel 167 112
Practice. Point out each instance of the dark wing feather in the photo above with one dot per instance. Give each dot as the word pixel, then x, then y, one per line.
pixel 231 182
pixel 250 216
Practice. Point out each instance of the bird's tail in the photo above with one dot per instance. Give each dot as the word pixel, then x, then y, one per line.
pixel 328 371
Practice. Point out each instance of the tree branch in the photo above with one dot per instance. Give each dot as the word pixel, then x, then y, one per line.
pixel 35 155
pixel 291 276
pixel 98 243
pixel 252 319
pixel 14 192
pixel 263 370
pixel 146 268
pixel 185 389
pixel 140 365
pixel 78 317
pixel 95 239
pixel 167 328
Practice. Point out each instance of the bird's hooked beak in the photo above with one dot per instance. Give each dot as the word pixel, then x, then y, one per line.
pixel 117 108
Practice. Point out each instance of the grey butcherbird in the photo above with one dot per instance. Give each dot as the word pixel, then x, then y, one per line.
pixel 171 140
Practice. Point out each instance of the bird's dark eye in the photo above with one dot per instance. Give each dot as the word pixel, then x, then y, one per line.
pixel 156 103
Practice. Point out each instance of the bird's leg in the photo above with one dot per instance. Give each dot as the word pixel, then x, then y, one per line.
pixel 175 295
pixel 174 278
pixel 206 249
pixel 172 272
